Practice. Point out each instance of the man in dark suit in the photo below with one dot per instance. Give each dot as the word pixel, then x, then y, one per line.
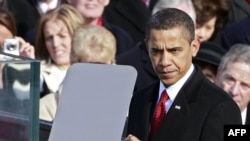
pixel 233 76
pixel 190 107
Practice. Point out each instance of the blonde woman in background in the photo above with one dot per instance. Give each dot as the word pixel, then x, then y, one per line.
pixel 53 45
pixel 90 44
pixel 93 44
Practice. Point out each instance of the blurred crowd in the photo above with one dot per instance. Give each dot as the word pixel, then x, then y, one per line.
pixel 62 32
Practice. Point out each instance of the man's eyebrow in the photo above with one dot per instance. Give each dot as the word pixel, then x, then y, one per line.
pixel 174 48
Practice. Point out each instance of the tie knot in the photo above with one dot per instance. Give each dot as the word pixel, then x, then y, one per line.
pixel 164 96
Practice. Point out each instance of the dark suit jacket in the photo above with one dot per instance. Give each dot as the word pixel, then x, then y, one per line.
pixel 239 9
pixel 236 33
pixel 205 108
pixel 130 15
pixel 124 41
pixel 26 13
pixel 248 115
pixel 139 59
pixel 23 13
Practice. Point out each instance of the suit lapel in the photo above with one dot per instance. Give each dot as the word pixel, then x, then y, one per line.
pixel 180 109
pixel 153 96
pixel 149 98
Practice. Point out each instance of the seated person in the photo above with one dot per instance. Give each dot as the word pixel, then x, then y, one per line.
pixel 90 44
pixel 208 59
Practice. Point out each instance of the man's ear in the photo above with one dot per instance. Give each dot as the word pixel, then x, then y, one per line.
pixel 195 45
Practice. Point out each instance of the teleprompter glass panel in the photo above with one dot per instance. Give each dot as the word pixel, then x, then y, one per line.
pixel 19 98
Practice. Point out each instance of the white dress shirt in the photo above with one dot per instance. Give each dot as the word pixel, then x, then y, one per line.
pixel 45 6
pixel 175 88
pixel 244 116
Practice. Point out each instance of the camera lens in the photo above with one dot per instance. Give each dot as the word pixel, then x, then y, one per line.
pixel 11 47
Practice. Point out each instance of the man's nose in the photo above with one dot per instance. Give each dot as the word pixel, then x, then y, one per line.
pixel 234 89
pixel 166 59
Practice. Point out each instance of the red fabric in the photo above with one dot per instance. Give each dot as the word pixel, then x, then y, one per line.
pixel 160 112
pixel 144 1
pixel 248 1
pixel 99 22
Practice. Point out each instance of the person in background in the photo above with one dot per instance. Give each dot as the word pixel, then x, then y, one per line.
pixel 211 17
pixel 93 44
pixel 92 13
pixel 184 104
pixel 11 101
pixel 239 9
pixel 8 31
pixel 130 16
pixel 184 5
pixel 90 44
pixel 236 33
pixel 208 58
pixel 53 45
pixel 27 13
pixel 234 77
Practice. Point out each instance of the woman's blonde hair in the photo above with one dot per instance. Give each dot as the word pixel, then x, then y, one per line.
pixel 70 17
pixel 92 40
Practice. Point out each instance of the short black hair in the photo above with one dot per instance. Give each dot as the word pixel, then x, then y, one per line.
pixel 170 18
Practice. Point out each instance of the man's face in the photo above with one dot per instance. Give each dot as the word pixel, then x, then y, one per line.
pixel 90 9
pixel 235 80
pixel 170 53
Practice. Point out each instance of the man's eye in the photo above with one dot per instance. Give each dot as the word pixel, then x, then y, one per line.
pixel 155 50
pixel 48 38
pixel 174 50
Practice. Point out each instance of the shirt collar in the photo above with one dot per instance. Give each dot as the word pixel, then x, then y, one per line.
pixel 45 7
pixel 244 115
pixel 175 88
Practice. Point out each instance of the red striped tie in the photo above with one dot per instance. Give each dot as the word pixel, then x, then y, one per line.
pixel 160 112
